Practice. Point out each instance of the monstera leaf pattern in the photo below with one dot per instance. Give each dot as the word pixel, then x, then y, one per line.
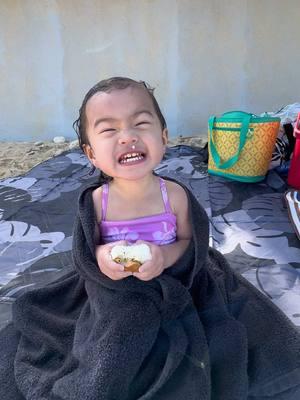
pixel 249 225
pixel 239 229
pixel 22 244
pixel 47 181
pixel 259 242
pixel 281 283
pixel 267 210
pixel 184 166
pixel 219 194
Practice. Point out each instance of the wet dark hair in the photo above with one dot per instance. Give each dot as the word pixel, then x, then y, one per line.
pixel 107 85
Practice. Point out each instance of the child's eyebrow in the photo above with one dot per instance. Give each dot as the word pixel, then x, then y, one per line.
pixel 105 119
pixel 142 112
pixel 110 119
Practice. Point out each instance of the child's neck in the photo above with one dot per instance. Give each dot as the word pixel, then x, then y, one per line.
pixel 134 189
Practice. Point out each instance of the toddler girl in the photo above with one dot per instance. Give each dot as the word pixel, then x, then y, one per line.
pixel 123 133
pixel 197 331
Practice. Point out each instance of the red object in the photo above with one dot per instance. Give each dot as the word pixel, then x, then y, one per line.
pixel 294 171
pixel 297 128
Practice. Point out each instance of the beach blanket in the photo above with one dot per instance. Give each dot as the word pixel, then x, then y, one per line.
pixel 249 224
pixel 292 198
pixel 198 331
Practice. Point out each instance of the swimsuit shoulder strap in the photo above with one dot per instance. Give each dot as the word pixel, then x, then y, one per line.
pixel 104 200
pixel 165 197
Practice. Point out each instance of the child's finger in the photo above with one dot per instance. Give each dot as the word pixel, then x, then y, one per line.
pixel 126 273
pixel 119 275
pixel 115 266
pixel 116 271
pixel 145 267
pixel 142 276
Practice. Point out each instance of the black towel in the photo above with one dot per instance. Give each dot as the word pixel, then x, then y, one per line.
pixel 198 331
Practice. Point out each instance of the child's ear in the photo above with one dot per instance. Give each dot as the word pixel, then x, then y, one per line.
pixel 165 136
pixel 88 151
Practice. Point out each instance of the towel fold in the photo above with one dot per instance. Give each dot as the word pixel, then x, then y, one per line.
pixel 198 331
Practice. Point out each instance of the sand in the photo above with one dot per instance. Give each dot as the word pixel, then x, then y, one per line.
pixel 17 158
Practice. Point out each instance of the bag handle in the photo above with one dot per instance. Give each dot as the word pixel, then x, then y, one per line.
pixel 243 137
pixel 238 114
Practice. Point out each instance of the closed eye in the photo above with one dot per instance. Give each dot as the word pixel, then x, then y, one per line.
pixel 142 123
pixel 108 130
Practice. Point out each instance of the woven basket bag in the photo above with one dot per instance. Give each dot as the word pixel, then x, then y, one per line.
pixel 241 145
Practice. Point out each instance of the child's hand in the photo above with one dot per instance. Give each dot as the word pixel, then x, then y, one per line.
pixel 152 268
pixel 106 265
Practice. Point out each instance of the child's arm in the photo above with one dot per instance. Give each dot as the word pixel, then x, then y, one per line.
pixel 172 252
pixel 102 251
pixel 165 256
pixel 179 202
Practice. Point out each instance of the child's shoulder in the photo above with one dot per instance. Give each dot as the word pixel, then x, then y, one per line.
pixel 97 193
pixel 177 195
pixel 175 188
pixel 97 200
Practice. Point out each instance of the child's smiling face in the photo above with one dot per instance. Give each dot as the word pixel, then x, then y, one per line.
pixel 126 139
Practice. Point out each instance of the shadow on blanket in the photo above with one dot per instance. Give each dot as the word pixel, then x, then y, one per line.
pixel 199 331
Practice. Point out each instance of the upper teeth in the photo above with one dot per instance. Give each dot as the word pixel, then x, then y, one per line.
pixel 131 157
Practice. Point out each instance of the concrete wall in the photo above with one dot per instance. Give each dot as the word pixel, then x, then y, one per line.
pixel 203 57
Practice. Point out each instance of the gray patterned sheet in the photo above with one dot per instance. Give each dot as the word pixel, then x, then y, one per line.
pixel 249 225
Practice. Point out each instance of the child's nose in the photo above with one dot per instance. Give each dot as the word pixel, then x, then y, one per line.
pixel 128 137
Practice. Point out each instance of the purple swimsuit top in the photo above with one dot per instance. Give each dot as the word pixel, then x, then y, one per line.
pixel 159 229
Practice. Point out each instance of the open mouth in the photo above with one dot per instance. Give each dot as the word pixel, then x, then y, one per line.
pixel 131 158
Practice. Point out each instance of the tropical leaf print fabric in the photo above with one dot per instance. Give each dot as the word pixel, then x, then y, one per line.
pixel 249 225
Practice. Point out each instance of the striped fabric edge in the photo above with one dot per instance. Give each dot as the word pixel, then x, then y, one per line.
pixel 292 198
